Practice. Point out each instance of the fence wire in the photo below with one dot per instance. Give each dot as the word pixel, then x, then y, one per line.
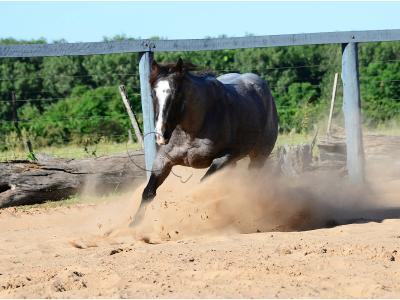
pixel 102 143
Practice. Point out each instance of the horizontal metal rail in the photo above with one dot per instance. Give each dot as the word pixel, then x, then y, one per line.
pixel 63 49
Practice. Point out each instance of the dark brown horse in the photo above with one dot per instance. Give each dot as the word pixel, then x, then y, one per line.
pixel 202 121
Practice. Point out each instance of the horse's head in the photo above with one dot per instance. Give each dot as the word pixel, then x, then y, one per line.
pixel 166 85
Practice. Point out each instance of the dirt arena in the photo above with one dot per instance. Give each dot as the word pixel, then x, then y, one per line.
pixel 238 234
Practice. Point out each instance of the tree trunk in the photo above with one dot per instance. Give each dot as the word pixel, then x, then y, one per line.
pixel 24 182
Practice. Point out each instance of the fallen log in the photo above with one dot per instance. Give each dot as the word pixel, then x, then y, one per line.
pixel 293 160
pixel 49 178
pixel 332 153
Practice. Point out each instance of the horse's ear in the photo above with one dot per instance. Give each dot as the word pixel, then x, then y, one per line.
pixel 179 65
pixel 155 67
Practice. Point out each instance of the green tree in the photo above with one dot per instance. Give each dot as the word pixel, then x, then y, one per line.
pixel 86 102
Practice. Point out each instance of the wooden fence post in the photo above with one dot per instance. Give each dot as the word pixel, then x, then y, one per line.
pixel 24 139
pixel 352 113
pixel 328 129
pixel 15 115
pixel 132 116
pixel 147 109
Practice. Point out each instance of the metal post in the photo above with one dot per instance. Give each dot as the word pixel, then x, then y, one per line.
pixel 147 109
pixel 352 113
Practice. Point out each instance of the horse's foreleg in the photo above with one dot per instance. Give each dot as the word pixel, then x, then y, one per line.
pixel 161 168
pixel 219 163
pixel 157 177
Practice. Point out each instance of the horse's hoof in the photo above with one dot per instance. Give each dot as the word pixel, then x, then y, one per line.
pixel 138 218
pixel 135 222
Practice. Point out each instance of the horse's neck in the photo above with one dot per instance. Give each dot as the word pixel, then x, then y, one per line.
pixel 197 102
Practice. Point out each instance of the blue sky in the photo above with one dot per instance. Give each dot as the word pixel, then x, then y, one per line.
pixel 91 21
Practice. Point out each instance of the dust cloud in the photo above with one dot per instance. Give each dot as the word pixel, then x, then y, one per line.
pixel 238 200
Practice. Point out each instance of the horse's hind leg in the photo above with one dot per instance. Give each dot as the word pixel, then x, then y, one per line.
pixel 219 163
pixel 259 156
pixel 257 161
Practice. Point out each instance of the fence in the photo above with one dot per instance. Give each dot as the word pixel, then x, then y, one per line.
pixel 146 48
pixel 43 97
pixel 93 143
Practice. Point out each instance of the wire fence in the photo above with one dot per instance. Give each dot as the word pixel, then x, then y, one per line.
pixel 97 143
pixel 71 76
pixel 105 132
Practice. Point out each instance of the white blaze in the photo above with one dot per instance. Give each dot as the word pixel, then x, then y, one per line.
pixel 162 91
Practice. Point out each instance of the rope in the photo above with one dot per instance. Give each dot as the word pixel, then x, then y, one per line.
pixel 151 171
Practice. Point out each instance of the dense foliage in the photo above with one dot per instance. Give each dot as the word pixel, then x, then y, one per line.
pixel 76 99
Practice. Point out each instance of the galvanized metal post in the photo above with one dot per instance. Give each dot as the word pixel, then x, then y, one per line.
pixel 147 109
pixel 352 113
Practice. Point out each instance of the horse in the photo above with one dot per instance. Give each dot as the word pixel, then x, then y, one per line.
pixel 203 121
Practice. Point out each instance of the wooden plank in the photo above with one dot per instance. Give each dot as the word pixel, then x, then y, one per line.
pixel 277 40
pixel 15 115
pixel 32 50
pixel 147 109
pixel 63 49
pixel 352 113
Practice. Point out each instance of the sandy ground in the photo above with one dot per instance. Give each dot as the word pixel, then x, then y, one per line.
pixel 239 234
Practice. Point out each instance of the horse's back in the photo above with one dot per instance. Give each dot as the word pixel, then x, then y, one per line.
pixel 240 81
pixel 247 87
pixel 248 90
pixel 252 95
pixel 229 78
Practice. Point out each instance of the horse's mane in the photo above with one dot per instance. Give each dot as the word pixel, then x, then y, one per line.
pixel 188 67
pixel 205 73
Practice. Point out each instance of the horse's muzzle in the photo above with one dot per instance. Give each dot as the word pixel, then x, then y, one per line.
pixel 160 140
pixel 163 137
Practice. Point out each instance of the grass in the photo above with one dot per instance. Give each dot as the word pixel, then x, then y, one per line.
pixel 385 131
pixel 109 148
pixel 71 201
pixel 293 139
pixel 52 204
pixel 73 151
